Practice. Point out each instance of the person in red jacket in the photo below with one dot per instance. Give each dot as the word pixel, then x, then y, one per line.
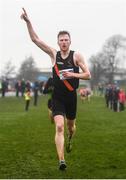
pixel 122 99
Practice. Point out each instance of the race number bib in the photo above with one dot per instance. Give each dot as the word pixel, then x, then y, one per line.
pixel 65 70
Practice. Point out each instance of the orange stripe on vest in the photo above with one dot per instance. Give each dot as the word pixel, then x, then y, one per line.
pixel 67 84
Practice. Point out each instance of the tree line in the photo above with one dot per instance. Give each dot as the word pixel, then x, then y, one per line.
pixel 27 71
pixel 109 61
pixel 103 66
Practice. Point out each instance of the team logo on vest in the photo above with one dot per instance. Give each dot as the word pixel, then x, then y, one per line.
pixel 69 64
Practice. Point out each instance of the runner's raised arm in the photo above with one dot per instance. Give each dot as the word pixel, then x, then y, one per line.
pixel 34 37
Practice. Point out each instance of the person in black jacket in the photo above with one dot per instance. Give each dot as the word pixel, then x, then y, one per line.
pixel 35 90
pixel 48 89
pixel 4 87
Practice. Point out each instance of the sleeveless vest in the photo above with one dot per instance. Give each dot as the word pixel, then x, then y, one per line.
pixel 65 64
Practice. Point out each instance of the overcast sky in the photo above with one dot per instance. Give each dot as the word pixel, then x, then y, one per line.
pixel 90 23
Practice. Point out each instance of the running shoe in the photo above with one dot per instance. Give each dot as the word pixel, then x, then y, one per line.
pixel 62 165
pixel 68 146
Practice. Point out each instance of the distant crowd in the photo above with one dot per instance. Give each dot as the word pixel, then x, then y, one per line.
pixel 115 98
pixel 20 86
pixel 23 88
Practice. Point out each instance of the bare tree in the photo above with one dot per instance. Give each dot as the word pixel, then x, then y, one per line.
pixel 98 68
pixel 9 70
pixel 111 50
pixel 105 64
pixel 28 69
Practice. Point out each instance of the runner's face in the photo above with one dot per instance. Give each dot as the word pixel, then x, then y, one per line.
pixel 64 42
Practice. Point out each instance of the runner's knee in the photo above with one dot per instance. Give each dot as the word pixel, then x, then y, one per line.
pixel 60 128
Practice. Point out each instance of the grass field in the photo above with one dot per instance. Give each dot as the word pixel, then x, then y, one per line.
pixel 27 149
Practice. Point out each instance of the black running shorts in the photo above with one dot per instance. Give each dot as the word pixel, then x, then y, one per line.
pixel 65 105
